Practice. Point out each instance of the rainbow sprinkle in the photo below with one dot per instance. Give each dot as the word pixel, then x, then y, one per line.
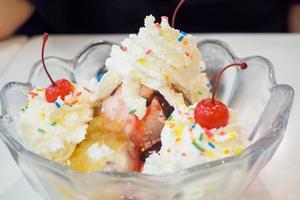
pixel 181 36
pixel 41 130
pixel 183 154
pixel 57 104
pixel 74 86
pixel 188 55
pixel 100 77
pixel 211 145
pixel 33 94
pixel 185 42
pixel 53 123
pixel 148 52
pixel 238 151
pixel 198 146
pixel 132 111
pixel 71 103
pixel 88 90
pixel 226 151
pixel 201 136
pixel 78 94
pixel 43 115
pixel 40 89
pixel 142 61
pixel 123 48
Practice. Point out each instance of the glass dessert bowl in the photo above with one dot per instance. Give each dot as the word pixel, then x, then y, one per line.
pixel 263 107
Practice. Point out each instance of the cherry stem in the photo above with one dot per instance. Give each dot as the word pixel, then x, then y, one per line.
pixel 217 80
pixel 45 38
pixel 175 12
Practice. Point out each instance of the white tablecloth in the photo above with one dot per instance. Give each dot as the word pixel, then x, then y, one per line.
pixel 280 179
pixel 9 49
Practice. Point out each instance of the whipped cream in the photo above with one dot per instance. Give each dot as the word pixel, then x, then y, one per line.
pixel 161 58
pixel 53 129
pixel 185 143
pixel 97 152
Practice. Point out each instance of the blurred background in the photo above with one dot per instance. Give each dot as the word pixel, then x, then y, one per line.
pixel 31 17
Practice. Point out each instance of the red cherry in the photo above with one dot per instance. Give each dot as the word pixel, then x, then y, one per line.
pixel 58 88
pixel 61 88
pixel 211 113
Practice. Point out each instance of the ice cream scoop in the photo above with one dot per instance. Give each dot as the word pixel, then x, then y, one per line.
pixel 158 57
pixel 185 143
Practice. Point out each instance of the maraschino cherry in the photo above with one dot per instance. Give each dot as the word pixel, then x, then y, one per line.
pixel 58 88
pixel 211 113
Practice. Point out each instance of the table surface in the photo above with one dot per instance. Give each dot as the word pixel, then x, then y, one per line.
pixel 280 179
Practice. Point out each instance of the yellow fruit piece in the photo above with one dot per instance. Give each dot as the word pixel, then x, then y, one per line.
pixel 101 131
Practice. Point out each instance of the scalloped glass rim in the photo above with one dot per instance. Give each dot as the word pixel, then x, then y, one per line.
pixel 270 138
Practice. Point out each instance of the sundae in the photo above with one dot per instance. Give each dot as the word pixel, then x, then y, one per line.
pixel 151 112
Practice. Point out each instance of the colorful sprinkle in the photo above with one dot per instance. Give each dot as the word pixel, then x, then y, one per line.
pixel 211 145
pixel 183 154
pixel 198 146
pixel 209 154
pixel 33 94
pixel 123 48
pixel 132 111
pixel 142 61
pixel 43 115
pixel 170 118
pixel 78 94
pixel 185 42
pixel 188 55
pixel 41 130
pixel 193 126
pixel 148 52
pixel 39 89
pixel 231 135
pixel 100 77
pixel 181 36
pixel 57 104
pixel 53 123
pixel 172 125
pixel 200 93
pixel 157 25
pixel 201 136
pixel 178 139
pixel 226 151
pixel 74 86
pixel 71 103
pixel 179 127
pixel 169 150
pixel 238 151
pixel 166 77
pixel 23 110
pixel 190 118
pixel 88 90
